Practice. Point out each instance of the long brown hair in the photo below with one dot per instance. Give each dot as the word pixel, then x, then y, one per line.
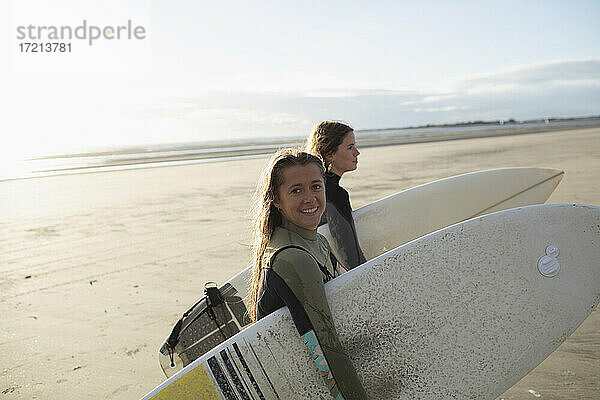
pixel 326 138
pixel 266 216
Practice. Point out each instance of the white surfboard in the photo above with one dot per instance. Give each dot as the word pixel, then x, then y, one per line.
pixel 399 218
pixel 382 225
pixel 463 312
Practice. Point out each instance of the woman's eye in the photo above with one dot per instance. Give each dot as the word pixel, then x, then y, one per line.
pixel 295 191
pixel 317 187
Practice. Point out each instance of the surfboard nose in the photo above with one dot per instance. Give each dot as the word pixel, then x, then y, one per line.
pixel 553 174
pixel 550 177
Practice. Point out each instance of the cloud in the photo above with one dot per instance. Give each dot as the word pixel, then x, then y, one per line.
pixel 554 89
pixel 541 74
pixel 560 88
pixel 437 109
pixel 566 88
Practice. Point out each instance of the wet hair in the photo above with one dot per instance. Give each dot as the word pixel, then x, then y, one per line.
pixel 266 216
pixel 326 138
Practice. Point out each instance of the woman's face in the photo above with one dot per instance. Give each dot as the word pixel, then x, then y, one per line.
pixel 301 197
pixel 345 157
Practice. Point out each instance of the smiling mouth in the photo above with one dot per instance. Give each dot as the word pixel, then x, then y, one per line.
pixel 309 210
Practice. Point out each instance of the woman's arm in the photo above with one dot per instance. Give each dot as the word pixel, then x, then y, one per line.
pixel 341 225
pixel 297 280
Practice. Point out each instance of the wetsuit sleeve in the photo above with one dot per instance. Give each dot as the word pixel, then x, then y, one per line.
pixel 282 290
pixel 306 299
pixel 343 232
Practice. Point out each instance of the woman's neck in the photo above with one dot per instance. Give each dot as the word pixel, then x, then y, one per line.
pixel 334 170
pixel 309 234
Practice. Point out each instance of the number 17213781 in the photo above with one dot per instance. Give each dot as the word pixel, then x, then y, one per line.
pixel 54 47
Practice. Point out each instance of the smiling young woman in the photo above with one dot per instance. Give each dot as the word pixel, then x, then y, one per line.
pixel 335 144
pixel 301 198
pixel 292 262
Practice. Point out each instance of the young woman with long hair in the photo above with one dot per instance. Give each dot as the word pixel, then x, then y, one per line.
pixel 292 262
pixel 334 143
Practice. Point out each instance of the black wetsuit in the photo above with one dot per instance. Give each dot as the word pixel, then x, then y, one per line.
pixel 294 277
pixel 338 214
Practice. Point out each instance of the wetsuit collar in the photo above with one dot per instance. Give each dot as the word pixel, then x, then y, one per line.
pixel 333 177
pixel 308 234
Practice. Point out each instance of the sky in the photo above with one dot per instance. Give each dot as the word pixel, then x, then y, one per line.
pixel 208 70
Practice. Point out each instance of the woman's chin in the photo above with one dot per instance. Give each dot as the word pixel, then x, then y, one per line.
pixel 309 221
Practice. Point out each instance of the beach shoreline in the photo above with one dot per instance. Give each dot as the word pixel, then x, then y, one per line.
pixel 97 267
pixel 186 154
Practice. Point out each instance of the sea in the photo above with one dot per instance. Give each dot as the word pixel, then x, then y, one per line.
pixel 152 156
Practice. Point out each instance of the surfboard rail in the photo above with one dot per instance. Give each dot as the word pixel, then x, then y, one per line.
pixel 463 312
pixel 383 225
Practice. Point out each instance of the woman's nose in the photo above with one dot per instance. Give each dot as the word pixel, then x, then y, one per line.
pixel 308 197
pixel 356 151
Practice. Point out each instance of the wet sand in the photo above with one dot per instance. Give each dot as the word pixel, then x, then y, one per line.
pixel 96 268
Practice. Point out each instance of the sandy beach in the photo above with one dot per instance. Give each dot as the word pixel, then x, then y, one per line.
pixel 96 268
